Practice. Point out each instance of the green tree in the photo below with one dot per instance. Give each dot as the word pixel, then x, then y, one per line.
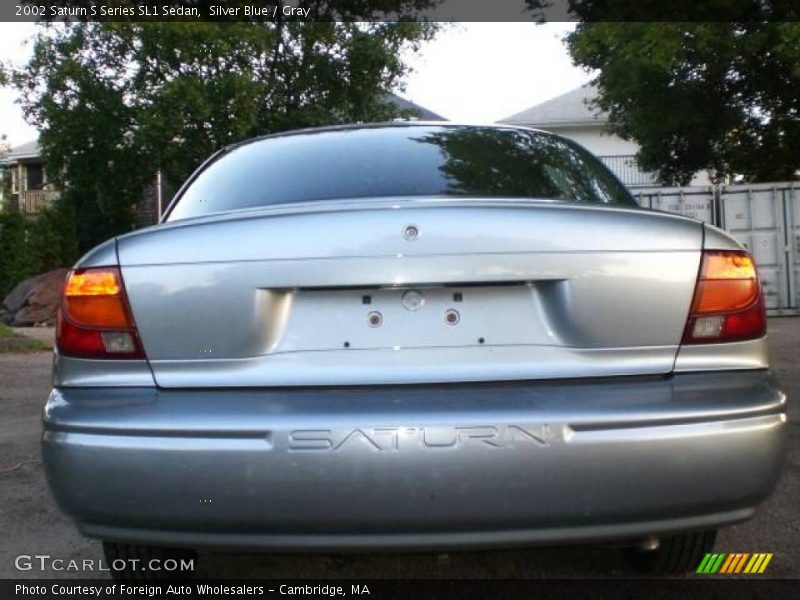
pixel 116 101
pixel 698 96
pixel 3 82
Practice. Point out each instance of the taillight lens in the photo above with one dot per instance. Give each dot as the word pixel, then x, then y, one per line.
pixel 728 305
pixel 94 320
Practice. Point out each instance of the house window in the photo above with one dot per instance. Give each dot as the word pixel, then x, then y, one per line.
pixel 35 176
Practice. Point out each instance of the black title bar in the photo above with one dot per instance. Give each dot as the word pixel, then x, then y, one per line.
pixel 652 589
pixel 398 10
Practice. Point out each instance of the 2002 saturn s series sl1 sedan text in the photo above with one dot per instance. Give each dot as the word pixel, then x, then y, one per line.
pixel 412 336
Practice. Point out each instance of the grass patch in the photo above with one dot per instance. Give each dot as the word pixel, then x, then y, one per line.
pixel 13 342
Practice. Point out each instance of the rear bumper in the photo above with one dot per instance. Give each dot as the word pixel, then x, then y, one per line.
pixel 438 466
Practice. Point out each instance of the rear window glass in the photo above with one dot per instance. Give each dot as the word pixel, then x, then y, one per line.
pixel 380 162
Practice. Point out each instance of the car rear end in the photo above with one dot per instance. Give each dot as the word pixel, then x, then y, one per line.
pixel 427 370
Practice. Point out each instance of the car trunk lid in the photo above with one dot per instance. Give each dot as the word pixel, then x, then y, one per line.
pixel 411 291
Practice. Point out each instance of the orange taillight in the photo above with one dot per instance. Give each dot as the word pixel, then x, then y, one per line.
pixel 93 282
pixel 724 295
pixel 728 282
pixel 728 304
pixel 94 320
pixel 728 265
pixel 93 298
pixel 97 311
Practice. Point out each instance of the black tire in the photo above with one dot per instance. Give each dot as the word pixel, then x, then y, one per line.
pixel 676 554
pixel 137 559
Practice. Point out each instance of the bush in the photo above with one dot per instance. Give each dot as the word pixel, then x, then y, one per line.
pixel 52 237
pixel 30 245
pixel 15 264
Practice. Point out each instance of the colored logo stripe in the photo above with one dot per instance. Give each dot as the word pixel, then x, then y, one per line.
pixel 740 564
pixel 731 560
pixel 721 562
pixel 734 563
pixel 758 563
pixel 704 564
pixel 711 563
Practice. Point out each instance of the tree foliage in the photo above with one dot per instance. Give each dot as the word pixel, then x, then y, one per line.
pixel 3 82
pixel 700 96
pixel 116 101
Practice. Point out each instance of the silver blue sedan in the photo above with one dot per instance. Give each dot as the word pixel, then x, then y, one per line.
pixel 416 336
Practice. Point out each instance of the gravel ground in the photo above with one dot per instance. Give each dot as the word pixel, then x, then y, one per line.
pixel 31 524
pixel 45 335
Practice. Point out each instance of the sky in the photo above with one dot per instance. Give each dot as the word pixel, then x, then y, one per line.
pixel 470 73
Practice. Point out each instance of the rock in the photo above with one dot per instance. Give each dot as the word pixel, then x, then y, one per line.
pixel 16 298
pixel 34 300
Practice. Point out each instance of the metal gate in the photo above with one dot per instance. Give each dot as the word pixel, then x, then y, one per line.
pixel 764 217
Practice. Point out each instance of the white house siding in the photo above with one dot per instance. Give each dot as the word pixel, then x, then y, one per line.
pixel 570 115
pixel 615 151
pixel 596 141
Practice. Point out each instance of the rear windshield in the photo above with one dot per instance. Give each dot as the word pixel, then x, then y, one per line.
pixel 380 162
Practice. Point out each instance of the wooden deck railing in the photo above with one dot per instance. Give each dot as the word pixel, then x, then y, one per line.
pixel 32 201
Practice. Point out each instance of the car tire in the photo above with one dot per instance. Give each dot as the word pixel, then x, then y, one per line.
pixel 675 554
pixel 137 558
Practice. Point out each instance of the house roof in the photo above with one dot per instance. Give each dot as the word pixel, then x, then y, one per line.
pixel 422 113
pixel 567 109
pixel 26 150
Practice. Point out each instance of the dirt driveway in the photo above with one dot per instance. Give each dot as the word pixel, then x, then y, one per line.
pixel 31 524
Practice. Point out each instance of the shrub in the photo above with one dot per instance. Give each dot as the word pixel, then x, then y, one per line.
pixel 15 263
pixel 30 245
